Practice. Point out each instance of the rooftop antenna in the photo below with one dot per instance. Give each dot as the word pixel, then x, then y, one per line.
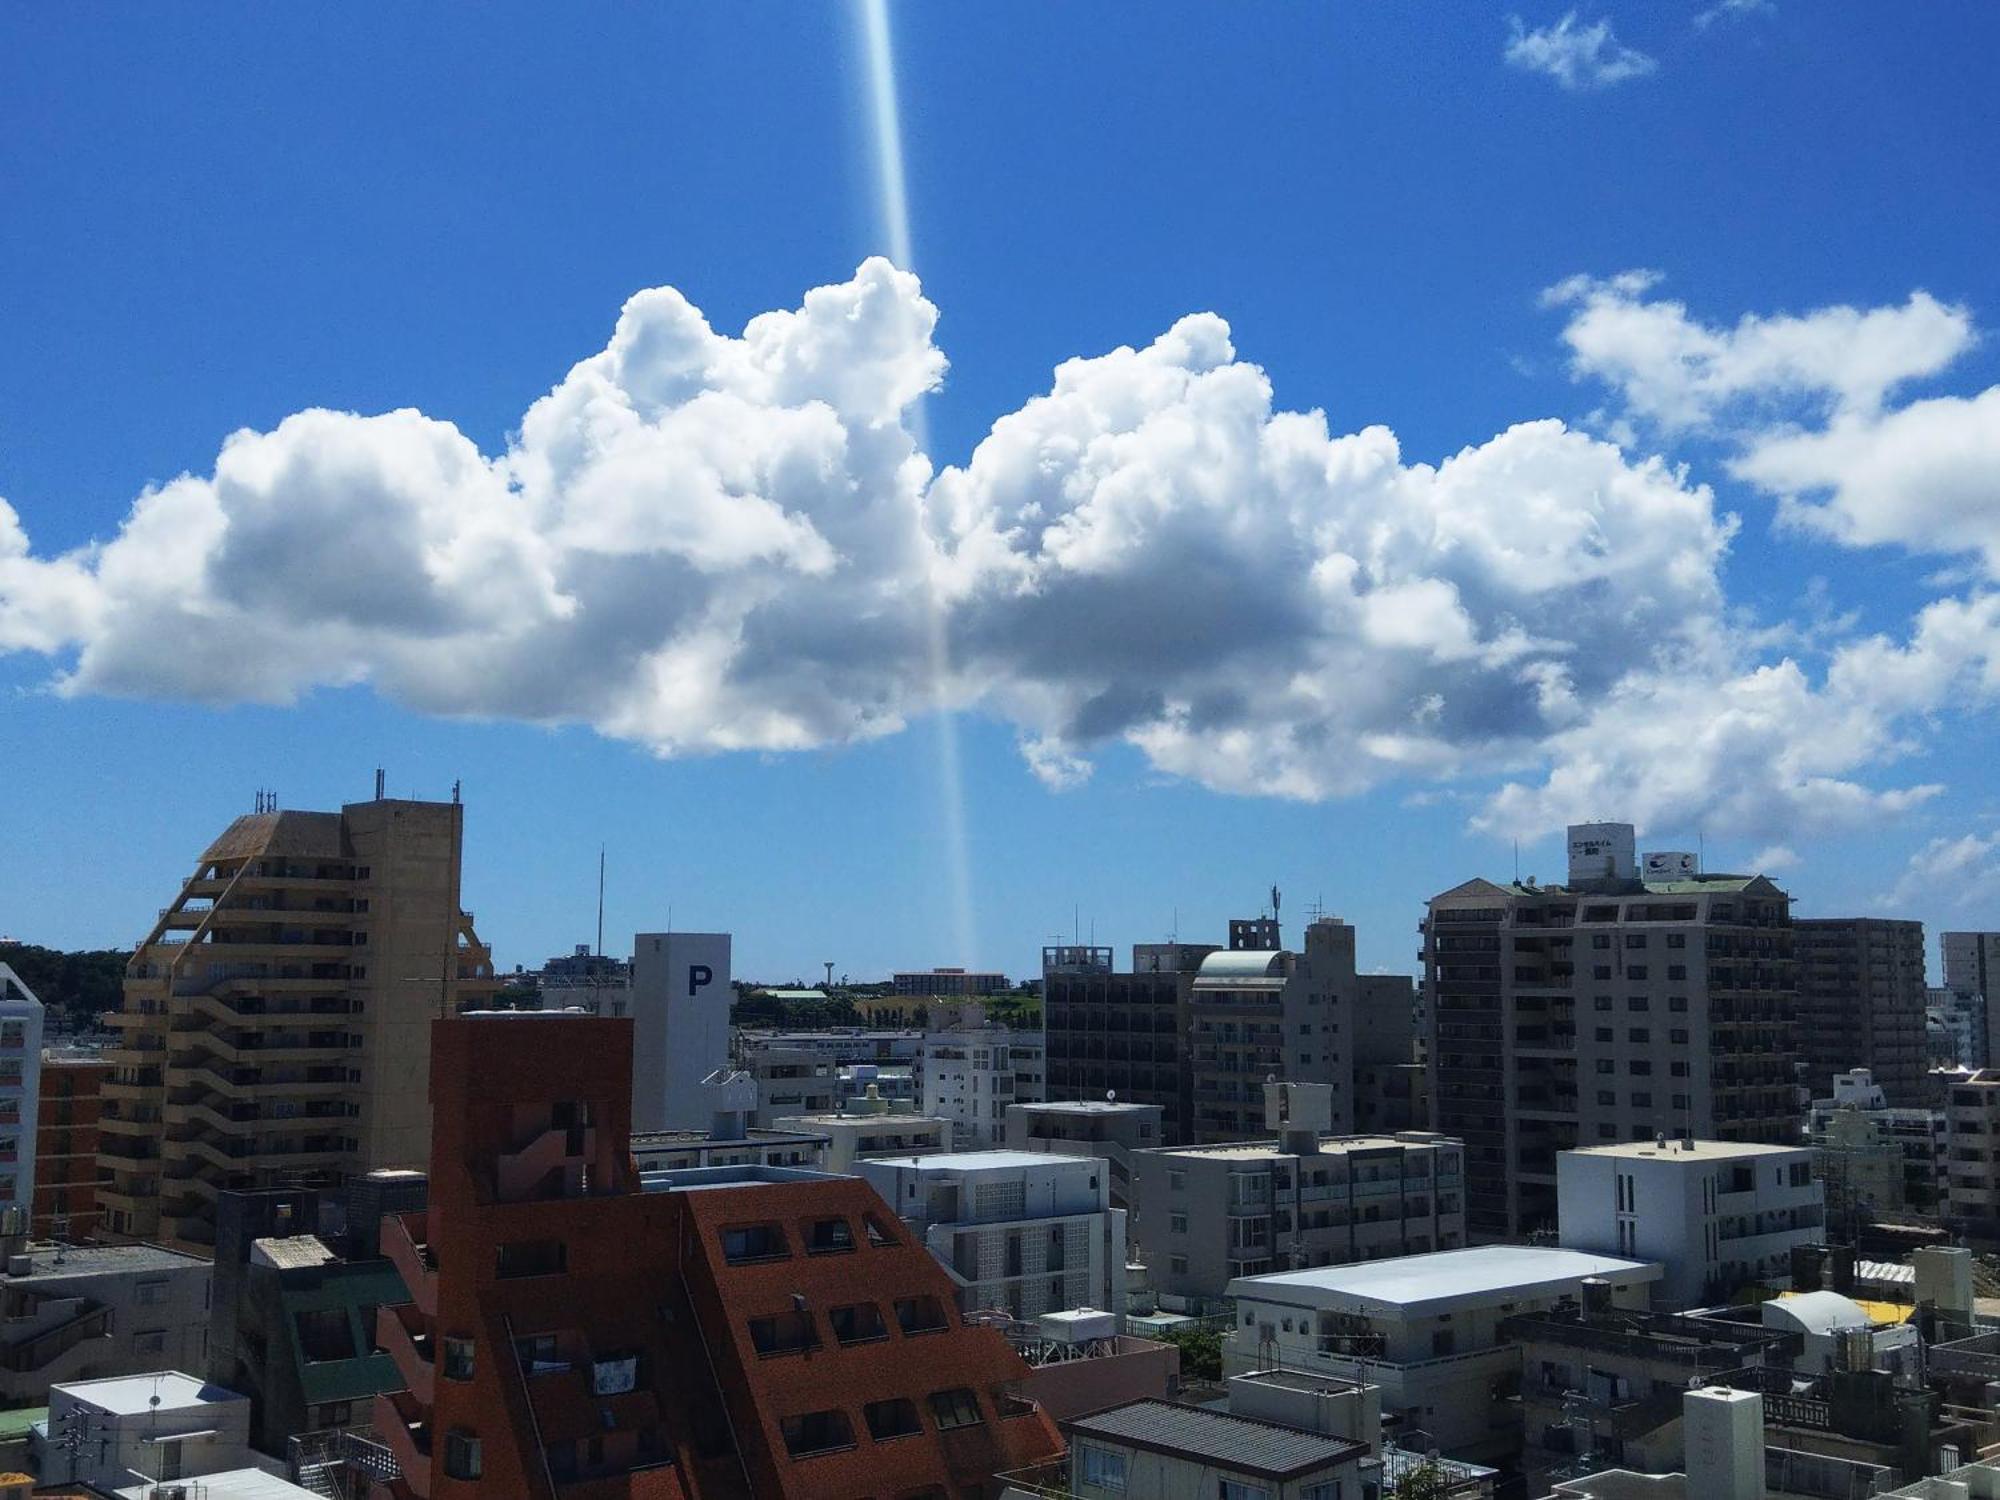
pixel 381 783
pixel 600 899
pixel 1517 861
pixel 454 790
pixel 1175 935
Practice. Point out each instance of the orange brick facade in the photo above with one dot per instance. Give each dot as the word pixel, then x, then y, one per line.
pixel 573 1335
pixel 66 1139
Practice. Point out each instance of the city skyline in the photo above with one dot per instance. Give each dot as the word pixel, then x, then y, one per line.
pixel 1607 515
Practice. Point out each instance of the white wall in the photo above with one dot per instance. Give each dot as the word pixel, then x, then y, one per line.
pixel 680 1018
pixel 20 1088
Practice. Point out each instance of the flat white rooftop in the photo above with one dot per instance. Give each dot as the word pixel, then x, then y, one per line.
pixel 985 1161
pixel 1329 1145
pixel 132 1395
pixel 236 1484
pixel 1675 1150
pixel 1084 1107
pixel 1419 1285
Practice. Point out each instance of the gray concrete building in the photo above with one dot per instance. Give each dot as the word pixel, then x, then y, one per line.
pixel 1861 1003
pixel 1122 1033
pixel 1307 1196
pixel 78 1312
pixel 1972 967
pixel 1612 1008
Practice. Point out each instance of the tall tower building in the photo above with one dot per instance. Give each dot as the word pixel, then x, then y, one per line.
pixel 1972 967
pixel 1613 1008
pixel 275 1028
pixel 1861 1003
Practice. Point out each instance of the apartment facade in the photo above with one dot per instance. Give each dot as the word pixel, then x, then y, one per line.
pixel 77 1312
pixel 275 1021
pixel 1019 1232
pixel 719 1332
pixel 1972 1151
pixel 1861 1003
pixel 1875 1157
pixel 20 1092
pixel 946 984
pixel 1972 967
pixel 971 1070
pixel 1309 1196
pixel 66 1143
pixel 1609 1009
pixel 1716 1216
pixel 1122 1035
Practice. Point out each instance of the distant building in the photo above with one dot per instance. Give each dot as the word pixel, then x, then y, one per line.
pixel 1426 1328
pixel 1308 1196
pixel 1717 1216
pixel 1391 1082
pixel 1861 1002
pixel 958 984
pixel 972 1069
pixel 680 1015
pixel 873 1127
pixel 1122 1033
pixel 66 1143
pixel 1105 1128
pixel 1955 1027
pixel 1022 1233
pixel 1972 967
pixel 1618 1007
pixel 731 1139
pixel 1972 1125
pixel 20 1092
pixel 1874 1158
pixel 275 1021
pixel 78 1312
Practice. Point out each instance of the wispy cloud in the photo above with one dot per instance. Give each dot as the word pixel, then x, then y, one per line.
pixel 1575 55
pixel 1733 10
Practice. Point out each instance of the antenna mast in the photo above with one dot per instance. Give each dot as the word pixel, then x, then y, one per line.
pixel 600 901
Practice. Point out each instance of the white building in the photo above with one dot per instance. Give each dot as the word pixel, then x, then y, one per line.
pixel 1022 1232
pixel 1972 967
pixel 1425 1328
pixel 869 1127
pixel 972 1070
pixel 1717 1215
pixel 130 1429
pixel 20 1086
pixel 680 1025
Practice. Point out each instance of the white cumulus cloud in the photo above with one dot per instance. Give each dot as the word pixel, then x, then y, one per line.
pixel 1575 55
pixel 700 541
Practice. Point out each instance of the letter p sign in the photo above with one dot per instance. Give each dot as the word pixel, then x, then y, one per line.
pixel 698 976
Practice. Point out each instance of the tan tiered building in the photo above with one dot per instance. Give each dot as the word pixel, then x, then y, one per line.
pixel 276 1021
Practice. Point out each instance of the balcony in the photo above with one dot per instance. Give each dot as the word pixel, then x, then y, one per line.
pixel 403 1241
pixel 404 1427
pixel 405 1337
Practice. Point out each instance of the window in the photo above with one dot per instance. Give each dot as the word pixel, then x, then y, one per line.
pixel 1607 1132
pixel 1638 1002
pixel 879 1237
pixel 1177 1223
pixel 457 1358
pixel 150 1293
pixel 1602 1002
pixel 1237 1489
pixel 1680 1101
pixel 1677 1002
pixel 816 1432
pixel 1176 1182
pixel 828 1237
pixel 1677 971
pixel 461 1455
pixel 538 1354
pixel 955 1408
pixel 1600 940
pixel 1607 1096
pixel 1635 939
pixel 150 1343
pixel 1442 1342
pixel 1604 1033
pixel 1639 1067
pixel 1678 1036
pixel 894 1418
pixel 1178 1264
pixel 1607 1065
pixel 919 1315
pixel 1679 1069
pixel 753 1242
pixel 1642 1099
pixel 857 1324
pixel 783 1333
pixel 533 1258
pixel 1100 1468
pixel 1639 1033
pixel 324 1333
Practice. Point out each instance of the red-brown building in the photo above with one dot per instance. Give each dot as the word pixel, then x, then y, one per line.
pixel 733 1331
pixel 66 1139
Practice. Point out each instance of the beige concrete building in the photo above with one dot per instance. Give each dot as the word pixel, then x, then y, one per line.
pixel 1861 1003
pixel 276 1020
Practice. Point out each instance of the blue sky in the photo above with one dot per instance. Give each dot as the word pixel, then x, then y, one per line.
pixel 216 221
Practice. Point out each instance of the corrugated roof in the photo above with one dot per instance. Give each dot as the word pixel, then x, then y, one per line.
pixel 1243 1444
pixel 1241 964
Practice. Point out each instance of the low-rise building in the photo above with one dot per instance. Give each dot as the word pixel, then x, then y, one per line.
pixel 1019 1232
pixel 70 1312
pixel 141 1430
pixel 1104 1128
pixel 1205 1215
pixel 947 984
pixel 1425 1328
pixel 1718 1215
pixel 1876 1158
pixel 1972 1151
pixel 872 1127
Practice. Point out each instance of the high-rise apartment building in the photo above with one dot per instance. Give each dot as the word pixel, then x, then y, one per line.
pixel 1612 1008
pixel 276 1020
pixel 66 1142
pixel 1861 1003
pixel 1122 1034
pixel 1972 967
pixel 20 1090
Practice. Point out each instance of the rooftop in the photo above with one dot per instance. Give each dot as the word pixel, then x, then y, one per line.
pixel 1328 1144
pixel 1237 964
pixel 134 1395
pixel 1441 1280
pixel 63 1261
pixel 668 1140
pixel 1240 1444
pixel 1082 1107
pixel 981 1161
pixel 691 1179
pixel 292 1252
pixel 1686 1151
pixel 830 1118
pixel 234 1484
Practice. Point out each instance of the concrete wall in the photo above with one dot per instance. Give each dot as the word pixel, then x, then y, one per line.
pixel 680 1013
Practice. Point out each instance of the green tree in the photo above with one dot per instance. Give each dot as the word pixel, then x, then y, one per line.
pixel 1424 1481
pixel 1201 1352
